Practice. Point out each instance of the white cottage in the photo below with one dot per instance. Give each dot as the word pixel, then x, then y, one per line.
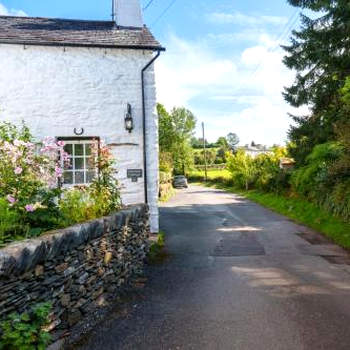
pixel 85 80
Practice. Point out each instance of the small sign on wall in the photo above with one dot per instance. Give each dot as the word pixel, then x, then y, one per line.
pixel 134 174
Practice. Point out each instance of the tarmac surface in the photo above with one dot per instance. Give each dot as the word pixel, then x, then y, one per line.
pixel 239 277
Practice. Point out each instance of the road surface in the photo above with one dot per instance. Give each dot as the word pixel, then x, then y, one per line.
pixel 239 277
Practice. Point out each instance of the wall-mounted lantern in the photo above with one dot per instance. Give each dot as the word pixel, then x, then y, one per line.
pixel 129 122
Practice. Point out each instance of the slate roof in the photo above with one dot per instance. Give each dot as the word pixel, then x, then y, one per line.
pixel 65 32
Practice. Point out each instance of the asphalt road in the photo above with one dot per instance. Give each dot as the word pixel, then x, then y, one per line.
pixel 238 277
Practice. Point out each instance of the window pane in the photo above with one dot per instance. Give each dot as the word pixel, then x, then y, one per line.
pixel 79 177
pixel 78 150
pixel 79 163
pixel 68 177
pixel 69 164
pixel 68 148
pixel 90 175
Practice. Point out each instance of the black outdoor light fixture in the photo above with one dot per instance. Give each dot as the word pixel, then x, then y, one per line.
pixel 129 123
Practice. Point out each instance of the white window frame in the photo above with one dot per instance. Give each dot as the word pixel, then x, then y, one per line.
pixel 73 156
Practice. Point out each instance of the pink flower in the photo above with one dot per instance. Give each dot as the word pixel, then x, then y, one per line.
pixel 29 208
pixel 60 144
pixel 11 199
pixel 18 170
pixel 58 171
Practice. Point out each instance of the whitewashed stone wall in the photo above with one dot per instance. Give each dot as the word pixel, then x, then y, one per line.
pixel 55 90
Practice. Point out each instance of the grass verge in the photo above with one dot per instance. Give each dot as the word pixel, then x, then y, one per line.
pixel 157 253
pixel 168 195
pixel 299 210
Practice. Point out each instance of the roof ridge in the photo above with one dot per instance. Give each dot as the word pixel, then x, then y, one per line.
pixel 60 19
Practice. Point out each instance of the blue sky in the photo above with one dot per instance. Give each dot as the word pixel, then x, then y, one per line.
pixel 223 59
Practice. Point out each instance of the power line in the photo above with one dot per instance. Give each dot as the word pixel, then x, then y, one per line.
pixel 148 5
pixel 164 12
pixel 284 34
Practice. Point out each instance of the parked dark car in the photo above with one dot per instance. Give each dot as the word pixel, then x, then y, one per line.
pixel 180 181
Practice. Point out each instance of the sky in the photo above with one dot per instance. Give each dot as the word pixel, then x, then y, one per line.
pixel 223 60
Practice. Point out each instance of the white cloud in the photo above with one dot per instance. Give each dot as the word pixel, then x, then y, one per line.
pixel 187 68
pixel 11 12
pixel 192 74
pixel 245 20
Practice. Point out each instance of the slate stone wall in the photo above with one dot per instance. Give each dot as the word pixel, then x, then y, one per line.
pixel 76 269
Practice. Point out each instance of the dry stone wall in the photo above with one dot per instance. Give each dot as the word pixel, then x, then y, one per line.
pixel 76 269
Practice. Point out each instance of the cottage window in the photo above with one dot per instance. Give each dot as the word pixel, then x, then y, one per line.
pixel 81 169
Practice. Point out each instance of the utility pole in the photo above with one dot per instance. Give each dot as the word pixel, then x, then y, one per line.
pixel 205 154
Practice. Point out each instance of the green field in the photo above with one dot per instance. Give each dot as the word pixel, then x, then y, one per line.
pixel 213 175
pixel 298 209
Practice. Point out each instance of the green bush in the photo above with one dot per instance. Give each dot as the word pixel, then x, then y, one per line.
pixel 10 223
pixel 29 192
pixel 28 175
pixel 77 206
pixel 242 169
pixel 314 177
pixel 166 162
pixel 164 177
pixel 25 331
pixel 318 182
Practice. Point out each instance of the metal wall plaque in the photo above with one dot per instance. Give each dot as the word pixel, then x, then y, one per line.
pixel 134 174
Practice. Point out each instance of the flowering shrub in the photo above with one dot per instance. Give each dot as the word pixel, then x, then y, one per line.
pixel 105 187
pixel 26 172
pixel 100 198
pixel 31 200
pixel 28 177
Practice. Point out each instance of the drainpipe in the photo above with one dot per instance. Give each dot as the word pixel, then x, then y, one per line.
pixel 144 124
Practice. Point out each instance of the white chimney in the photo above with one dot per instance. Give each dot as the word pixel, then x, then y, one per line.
pixel 127 13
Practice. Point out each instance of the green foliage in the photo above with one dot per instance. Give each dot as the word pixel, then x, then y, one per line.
pixel 319 181
pixel 25 331
pixel 216 176
pixel 320 142
pixel 27 175
pixel 10 223
pixel 99 199
pixel 157 254
pixel 320 55
pixel 10 132
pixel 29 190
pixel 242 168
pixel 262 172
pixel 175 133
pixel 166 163
pixel 164 177
pixel 223 143
pixel 104 190
pixel 210 155
pixel 77 206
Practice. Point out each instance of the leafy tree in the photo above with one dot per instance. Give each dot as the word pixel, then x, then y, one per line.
pixel 319 52
pixel 232 141
pixel 167 135
pixel 222 142
pixel 241 166
pixel 175 134
pixel 210 156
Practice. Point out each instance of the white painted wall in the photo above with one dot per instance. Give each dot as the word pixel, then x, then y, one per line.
pixel 55 90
